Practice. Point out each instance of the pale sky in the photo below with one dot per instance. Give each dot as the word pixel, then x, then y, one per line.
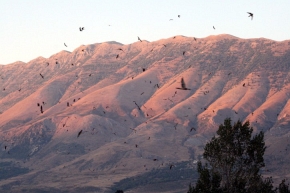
pixel 33 28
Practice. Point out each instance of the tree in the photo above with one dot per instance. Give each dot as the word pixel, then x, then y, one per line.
pixel 234 159
pixel 284 188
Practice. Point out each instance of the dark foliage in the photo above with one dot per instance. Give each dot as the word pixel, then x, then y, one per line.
pixel 234 159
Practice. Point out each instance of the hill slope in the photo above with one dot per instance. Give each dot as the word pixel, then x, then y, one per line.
pixel 130 112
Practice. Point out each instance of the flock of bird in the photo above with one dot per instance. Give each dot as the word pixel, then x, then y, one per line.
pixel 182 86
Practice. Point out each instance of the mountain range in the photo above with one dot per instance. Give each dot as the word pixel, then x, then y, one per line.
pixel 109 116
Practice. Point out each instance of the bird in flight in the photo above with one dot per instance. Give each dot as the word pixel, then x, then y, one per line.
pixel 117 56
pixel 251 15
pixel 213 27
pixel 178 16
pixel 183 87
pixel 139 39
pixel 137 105
pixel 120 49
pixel 82 28
pixel 65 44
pixel 41 75
pixel 80 133
pixel 193 129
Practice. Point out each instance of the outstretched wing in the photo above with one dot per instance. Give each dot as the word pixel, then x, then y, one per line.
pixel 182 83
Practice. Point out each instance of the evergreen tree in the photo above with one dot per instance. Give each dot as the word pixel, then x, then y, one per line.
pixel 234 159
pixel 284 188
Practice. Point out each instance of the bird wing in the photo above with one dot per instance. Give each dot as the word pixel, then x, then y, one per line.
pixel 182 83
pixel 80 133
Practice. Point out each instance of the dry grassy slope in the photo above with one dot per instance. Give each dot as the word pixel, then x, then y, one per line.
pixel 91 90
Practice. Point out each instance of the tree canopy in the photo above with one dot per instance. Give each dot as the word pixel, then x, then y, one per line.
pixel 233 160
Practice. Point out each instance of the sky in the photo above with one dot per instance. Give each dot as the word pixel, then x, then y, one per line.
pixel 34 28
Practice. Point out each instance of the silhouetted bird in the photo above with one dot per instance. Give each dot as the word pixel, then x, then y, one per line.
pixel 41 109
pixel 178 16
pixel 41 75
pixel 120 49
pixel 139 39
pixel 82 28
pixel 117 56
pixel 80 133
pixel 251 15
pixel 143 69
pixel 65 44
pixel 183 53
pixel 213 27
pixel 192 129
pixel 183 87
pixel 137 105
